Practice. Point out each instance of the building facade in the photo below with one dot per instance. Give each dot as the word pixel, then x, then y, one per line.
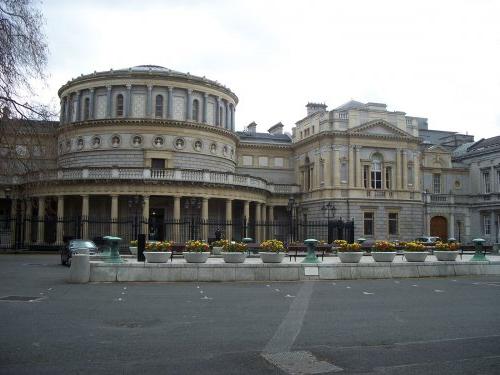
pixel 156 143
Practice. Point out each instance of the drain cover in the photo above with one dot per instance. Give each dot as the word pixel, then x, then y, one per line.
pixel 19 298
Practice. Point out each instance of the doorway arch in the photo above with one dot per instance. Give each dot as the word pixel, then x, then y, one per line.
pixel 439 227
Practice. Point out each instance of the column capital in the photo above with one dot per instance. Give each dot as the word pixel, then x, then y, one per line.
pixel 205 95
pixel 129 86
pixel 109 87
pixel 92 90
pixel 170 89
pixel 189 91
pixel 114 195
pixel 145 197
pixel 77 93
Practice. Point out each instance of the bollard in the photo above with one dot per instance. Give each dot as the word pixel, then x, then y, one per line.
pixel 311 254
pixel 141 246
pixel 79 272
pixel 479 255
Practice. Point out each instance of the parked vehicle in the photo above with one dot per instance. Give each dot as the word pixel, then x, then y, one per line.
pixel 77 247
pixel 428 240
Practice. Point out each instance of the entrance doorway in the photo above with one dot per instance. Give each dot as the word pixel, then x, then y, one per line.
pixel 439 227
pixel 156 218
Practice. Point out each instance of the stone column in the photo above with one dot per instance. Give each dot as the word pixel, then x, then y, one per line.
pixel 270 220
pixel 41 221
pixel 114 215
pixel 351 166
pixel 91 104
pixel 170 112
pixel 451 225
pixel 416 171
pixel 108 102
pixel 78 114
pixel 66 109
pixel 257 222
pixel 264 231
pixel 359 172
pixel 85 216
pixel 60 216
pixel 467 226
pixel 328 168
pixel 189 106
pixel 217 113
pixel 128 101
pixel 336 166
pixel 493 227
pixel 398 170
pixel 177 218
pixel 246 214
pixel 204 218
pixel 150 112
pixel 228 117
pixel 233 121
pixel 229 219
pixel 317 170
pixel 205 107
pixel 145 216
pixel 405 170
pixel 27 228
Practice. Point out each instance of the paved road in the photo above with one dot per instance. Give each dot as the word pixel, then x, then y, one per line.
pixel 407 326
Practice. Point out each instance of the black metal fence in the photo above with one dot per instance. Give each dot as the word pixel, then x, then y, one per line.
pixel 51 232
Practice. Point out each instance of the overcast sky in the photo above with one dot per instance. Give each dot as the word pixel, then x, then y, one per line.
pixel 434 59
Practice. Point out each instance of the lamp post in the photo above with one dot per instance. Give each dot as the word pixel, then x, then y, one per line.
pixel 329 209
pixel 291 208
pixel 135 203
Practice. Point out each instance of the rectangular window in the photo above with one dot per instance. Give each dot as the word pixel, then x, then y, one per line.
pixel 498 180
pixel 486 225
pixel 366 173
pixel 247 160
pixel 158 163
pixel 368 223
pixel 388 178
pixel 376 180
pixel 279 162
pixel 263 161
pixel 393 223
pixel 486 182
pixel 410 176
pixel 436 183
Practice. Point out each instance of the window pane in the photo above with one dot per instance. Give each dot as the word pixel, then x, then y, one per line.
pixel 368 223
pixel 159 106
pixel 119 105
pixel 393 223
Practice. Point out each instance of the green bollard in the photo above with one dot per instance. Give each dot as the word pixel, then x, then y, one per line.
pixel 114 253
pixel 247 240
pixel 479 255
pixel 361 240
pixel 311 257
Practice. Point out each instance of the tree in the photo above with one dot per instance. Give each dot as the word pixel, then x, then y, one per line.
pixel 24 126
pixel 23 58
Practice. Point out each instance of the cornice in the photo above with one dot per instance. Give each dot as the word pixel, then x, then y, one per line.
pixel 89 124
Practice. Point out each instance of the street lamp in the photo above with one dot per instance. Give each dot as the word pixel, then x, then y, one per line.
pixel 329 209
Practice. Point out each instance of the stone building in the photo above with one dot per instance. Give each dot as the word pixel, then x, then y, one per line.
pixel 164 143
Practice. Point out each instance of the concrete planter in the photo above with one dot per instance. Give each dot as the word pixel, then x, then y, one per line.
pixel 415 256
pixel 234 257
pixel 350 257
pixel 133 250
pixel 192 257
pixel 270 257
pixel 216 250
pixel 383 256
pixel 445 255
pixel 157 256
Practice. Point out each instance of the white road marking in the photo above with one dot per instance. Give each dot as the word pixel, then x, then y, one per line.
pixel 367 293
pixel 201 291
pixel 396 282
pixel 277 290
pixel 439 291
pixel 289 296
pixel 348 287
pixel 415 285
pixel 206 298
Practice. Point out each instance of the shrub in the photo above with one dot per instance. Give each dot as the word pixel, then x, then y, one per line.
pixel 414 246
pixel 384 246
pixel 220 243
pixel 350 247
pixel 159 246
pixel 196 246
pixel 274 246
pixel 234 247
pixel 133 243
pixel 443 246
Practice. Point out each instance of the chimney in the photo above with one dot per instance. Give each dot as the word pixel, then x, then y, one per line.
pixel 252 127
pixel 315 107
pixel 276 129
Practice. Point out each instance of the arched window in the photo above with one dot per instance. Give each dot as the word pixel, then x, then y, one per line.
pixel 376 172
pixel 159 106
pixel 86 108
pixel 119 105
pixel 196 110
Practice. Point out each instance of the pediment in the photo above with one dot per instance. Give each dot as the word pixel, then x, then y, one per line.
pixel 380 128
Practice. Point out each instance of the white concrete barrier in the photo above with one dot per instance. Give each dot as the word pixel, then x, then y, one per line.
pixel 134 271
pixel 79 272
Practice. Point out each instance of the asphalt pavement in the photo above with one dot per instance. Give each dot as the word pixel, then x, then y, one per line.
pixel 407 326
